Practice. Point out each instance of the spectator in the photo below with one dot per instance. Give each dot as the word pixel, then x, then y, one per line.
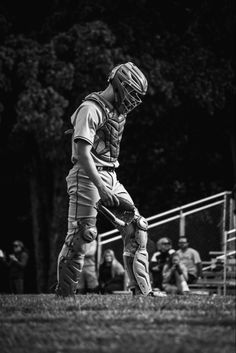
pixel 16 264
pixel 191 259
pixel 88 282
pixel 175 276
pixel 3 272
pixel 111 273
pixel 158 260
pixel 2 257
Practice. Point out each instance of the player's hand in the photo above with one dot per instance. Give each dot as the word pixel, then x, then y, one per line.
pixel 108 198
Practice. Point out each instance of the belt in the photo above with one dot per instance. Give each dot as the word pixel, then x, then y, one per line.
pixel 106 168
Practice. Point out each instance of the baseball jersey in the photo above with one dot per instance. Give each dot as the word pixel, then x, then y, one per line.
pixel 101 128
pixel 190 258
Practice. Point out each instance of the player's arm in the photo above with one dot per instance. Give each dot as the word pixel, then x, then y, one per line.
pixel 198 264
pixel 199 269
pixel 86 161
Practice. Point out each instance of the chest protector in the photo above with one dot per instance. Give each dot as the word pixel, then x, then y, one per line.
pixel 107 140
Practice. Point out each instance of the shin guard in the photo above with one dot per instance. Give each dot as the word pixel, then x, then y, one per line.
pixel 133 228
pixel 141 272
pixel 71 257
pixel 69 271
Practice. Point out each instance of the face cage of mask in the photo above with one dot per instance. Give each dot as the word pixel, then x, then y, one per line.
pixel 130 99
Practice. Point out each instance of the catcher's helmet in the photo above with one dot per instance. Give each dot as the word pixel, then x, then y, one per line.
pixel 128 83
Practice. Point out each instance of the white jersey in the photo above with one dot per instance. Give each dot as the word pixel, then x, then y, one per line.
pixel 190 257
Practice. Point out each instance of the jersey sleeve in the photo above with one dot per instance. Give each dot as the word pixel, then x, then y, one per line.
pixel 85 121
pixel 196 257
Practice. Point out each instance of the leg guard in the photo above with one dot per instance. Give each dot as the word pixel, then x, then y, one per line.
pixel 133 228
pixel 71 257
pixel 140 265
pixel 140 268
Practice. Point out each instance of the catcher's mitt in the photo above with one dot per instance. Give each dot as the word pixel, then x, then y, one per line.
pixel 120 215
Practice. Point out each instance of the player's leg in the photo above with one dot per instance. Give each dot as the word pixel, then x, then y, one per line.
pixel 81 231
pixel 135 242
pixel 136 255
pixel 71 257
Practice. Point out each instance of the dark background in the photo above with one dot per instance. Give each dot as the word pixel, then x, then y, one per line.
pixel 178 146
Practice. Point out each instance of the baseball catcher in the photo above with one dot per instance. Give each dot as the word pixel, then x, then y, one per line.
pixel 92 184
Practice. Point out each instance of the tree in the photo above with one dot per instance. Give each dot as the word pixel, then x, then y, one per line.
pixel 43 80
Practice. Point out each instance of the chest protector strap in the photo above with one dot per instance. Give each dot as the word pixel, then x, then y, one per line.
pixel 106 144
pixel 97 98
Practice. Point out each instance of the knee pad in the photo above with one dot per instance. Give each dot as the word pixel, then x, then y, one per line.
pixel 135 235
pixel 71 257
pixel 86 229
pixel 141 227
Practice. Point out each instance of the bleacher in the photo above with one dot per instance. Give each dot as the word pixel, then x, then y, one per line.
pixel 215 279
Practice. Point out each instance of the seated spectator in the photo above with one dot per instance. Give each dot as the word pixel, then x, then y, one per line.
pixel 217 265
pixel 191 259
pixel 16 265
pixel 158 260
pixel 175 276
pixel 111 273
pixel 2 255
pixel 3 273
pixel 88 282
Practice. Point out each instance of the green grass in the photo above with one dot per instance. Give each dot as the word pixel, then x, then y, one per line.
pixel 117 323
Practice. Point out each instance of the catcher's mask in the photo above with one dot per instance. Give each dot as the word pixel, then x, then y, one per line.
pixel 129 83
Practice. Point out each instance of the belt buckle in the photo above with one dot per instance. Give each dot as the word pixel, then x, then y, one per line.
pixel 107 168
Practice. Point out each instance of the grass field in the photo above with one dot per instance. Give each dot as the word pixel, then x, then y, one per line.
pixel 117 323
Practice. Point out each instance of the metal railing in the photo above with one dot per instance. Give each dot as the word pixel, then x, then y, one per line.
pixel 173 214
pixel 179 213
pixel 226 255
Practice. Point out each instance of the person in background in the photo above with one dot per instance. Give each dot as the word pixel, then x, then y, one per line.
pixel 158 260
pixel 175 276
pixel 111 273
pixel 16 265
pixel 3 273
pixel 191 259
pixel 89 279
